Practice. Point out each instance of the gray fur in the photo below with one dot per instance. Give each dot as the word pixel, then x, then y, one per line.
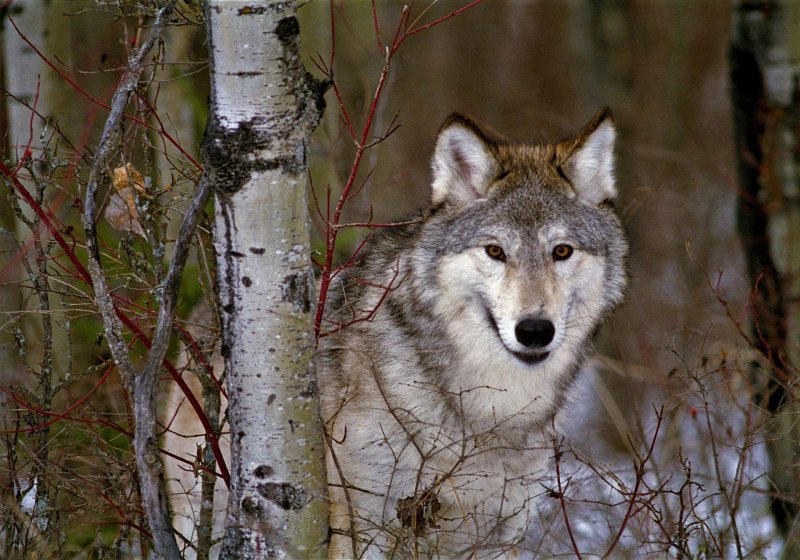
pixel 428 397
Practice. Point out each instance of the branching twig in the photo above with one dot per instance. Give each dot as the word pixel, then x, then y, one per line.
pixel 562 499
pixel 148 459
pixel 146 440
pixel 720 480
pixel 80 272
pixel 640 472
pixel 362 142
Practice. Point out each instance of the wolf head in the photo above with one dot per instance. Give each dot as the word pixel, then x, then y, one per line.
pixel 530 256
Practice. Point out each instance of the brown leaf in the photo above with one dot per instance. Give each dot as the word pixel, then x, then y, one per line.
pixel 121 210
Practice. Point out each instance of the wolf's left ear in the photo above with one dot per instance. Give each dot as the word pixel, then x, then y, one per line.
pixel 463 162
pixel 587 160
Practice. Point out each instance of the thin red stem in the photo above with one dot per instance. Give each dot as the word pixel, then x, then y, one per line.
pixel 362 144
pixel 442 19
pixel 640 472
pixel 83 274
pixel 56 416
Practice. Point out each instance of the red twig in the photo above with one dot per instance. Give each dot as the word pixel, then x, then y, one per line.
pixel 362 142
pixel 368 315
pixel 198 408
pixel 83 274
pixel 57 70
pixel 27 152
pixel 562 500
pixel 634 495
pixel 381 48
pixel 56 416
pixel 47 219
pixel 200 357
pixel 161 130
pixel 778 361
pixel 442 19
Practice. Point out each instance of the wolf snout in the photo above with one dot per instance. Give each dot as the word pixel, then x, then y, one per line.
pixel 534 333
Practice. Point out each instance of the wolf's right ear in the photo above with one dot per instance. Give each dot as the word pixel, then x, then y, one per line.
pixel 464 162
pixel 587 160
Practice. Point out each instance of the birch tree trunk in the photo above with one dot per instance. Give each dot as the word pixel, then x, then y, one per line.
pixel 264 107
pixel 765 80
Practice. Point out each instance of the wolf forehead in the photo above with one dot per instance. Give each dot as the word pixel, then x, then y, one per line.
pixel 530 163
pixel 485 185
pixel 526 214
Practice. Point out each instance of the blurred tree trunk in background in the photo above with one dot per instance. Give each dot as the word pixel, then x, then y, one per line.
pixel 264 107
pixel 22 72
pixel 28 78
pixel 25 72
pixel 30 85
pixel 765 80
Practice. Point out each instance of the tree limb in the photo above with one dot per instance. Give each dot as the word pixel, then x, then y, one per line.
pixel 148 459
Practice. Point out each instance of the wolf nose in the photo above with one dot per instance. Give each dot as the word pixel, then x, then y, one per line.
pixel 535 332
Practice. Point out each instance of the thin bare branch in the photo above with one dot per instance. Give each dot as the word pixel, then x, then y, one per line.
pixel 149 464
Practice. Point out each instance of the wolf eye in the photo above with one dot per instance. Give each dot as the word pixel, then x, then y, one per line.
pixel 496 252
pixel 562 252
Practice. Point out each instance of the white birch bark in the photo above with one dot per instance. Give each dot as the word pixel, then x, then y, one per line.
pixel 263 108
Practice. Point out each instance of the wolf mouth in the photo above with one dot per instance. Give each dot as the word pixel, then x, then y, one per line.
pixel 531 358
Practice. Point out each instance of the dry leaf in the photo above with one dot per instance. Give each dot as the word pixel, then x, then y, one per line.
pixel 121 210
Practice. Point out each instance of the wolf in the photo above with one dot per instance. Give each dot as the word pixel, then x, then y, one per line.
pixel 451 345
